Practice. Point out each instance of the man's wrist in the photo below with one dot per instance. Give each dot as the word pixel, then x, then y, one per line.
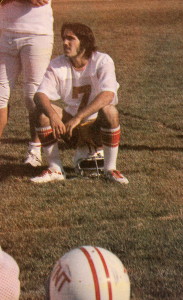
pixel 78 118
pixel 51 114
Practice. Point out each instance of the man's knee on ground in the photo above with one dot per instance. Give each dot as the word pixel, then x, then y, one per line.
pixel 109 116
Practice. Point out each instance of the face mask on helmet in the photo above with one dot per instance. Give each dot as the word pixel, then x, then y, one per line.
pixel 89 161
pixel 89 273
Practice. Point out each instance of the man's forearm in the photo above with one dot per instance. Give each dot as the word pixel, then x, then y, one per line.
pixel 103 99
pixel 43 104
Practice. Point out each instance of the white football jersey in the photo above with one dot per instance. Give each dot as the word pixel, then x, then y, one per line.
pixel 26 18
pixel 77 88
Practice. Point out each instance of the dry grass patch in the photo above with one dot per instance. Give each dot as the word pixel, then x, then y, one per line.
pixel 141 222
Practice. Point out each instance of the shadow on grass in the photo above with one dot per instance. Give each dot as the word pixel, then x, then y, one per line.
pixel 180 136
pixel 8 158
pixel 17 170
pixel 61 144
pixel 14 141
pixel 150 148
pixel 21 170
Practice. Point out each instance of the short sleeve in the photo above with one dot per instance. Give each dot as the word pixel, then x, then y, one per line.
pixel 107 76
pixel 50 85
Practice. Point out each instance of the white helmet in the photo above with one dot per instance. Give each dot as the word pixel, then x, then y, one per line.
pixel 9 277
pixel 89 161
pixel 89 273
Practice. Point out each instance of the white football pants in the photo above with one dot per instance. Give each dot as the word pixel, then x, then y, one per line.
pixel 26 53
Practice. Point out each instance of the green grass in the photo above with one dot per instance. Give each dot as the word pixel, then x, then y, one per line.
pixel 141 222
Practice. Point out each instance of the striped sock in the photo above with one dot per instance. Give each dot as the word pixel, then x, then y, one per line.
pixel 50 148
pixel 110 139
pixel 45 135
pixel 35 148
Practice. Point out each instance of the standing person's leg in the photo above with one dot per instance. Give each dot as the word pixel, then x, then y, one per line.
pixel 3 119
pixel 35 57
pixel 9 70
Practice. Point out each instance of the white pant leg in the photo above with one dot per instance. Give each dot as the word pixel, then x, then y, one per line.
pixel 35 57
pixel 10 67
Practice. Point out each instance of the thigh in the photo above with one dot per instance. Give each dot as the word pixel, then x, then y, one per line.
pixel 89 133
pixel 35 57
pixel 58 109
pixel 64 116
pixel 9 71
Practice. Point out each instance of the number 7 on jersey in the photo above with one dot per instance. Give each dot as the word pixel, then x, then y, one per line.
pixel 86 91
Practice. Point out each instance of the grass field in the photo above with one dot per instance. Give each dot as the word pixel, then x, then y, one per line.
pixel 142 222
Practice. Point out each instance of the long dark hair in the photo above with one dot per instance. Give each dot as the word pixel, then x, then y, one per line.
pixel 84 34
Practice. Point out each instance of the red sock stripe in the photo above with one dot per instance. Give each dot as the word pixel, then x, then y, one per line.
pixel 46 137
pixel 111 139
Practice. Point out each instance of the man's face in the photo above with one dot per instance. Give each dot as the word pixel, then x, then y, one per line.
pixel 71 44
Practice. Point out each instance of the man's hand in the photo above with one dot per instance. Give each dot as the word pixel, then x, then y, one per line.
pixel 38 2
pixel 70 125
pixel 57 126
